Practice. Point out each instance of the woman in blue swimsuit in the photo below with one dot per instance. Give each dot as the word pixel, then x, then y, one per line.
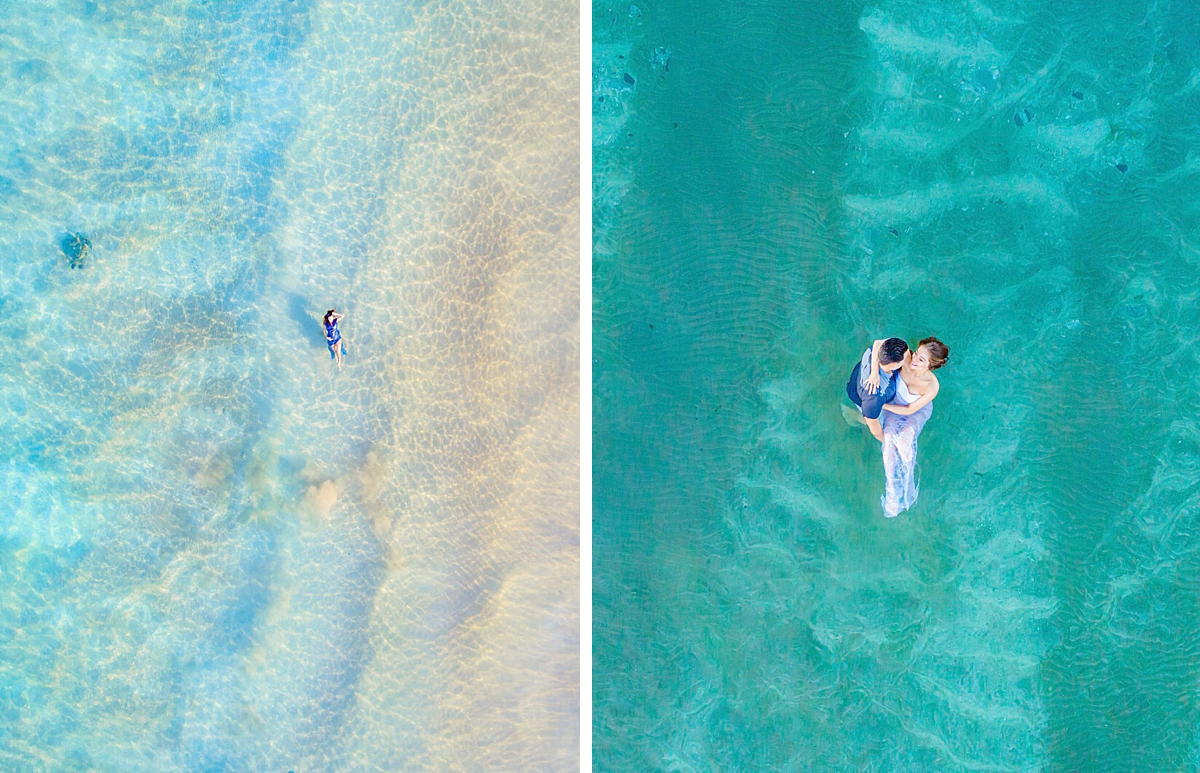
pixel 333 335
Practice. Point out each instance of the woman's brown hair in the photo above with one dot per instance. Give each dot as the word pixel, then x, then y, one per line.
pixel 938 352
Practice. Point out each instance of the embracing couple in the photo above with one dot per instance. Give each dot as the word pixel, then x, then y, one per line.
pixel 894 388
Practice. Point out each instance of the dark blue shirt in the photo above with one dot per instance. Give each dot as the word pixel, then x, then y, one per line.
pixel 871 404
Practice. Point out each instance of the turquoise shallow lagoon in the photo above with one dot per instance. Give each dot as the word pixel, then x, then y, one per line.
pixel 218 553
pixel 775 185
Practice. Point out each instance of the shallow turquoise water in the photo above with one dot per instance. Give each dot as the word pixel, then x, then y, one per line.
pixel 218 553
pixel 775 185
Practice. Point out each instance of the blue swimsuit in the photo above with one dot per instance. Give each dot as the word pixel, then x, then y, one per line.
pixel 332 334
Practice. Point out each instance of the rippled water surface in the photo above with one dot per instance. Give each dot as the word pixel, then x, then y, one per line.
pixel 775 185
pixel 217 552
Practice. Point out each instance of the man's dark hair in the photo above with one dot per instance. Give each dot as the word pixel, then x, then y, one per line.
pixel 892 350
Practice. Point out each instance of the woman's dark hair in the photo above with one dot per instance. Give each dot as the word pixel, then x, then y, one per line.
pixel 893 350
pixel 938 352
pixel 327 314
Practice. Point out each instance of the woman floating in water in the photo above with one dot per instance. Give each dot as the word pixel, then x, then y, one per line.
pixel 903 420
pixel 333 335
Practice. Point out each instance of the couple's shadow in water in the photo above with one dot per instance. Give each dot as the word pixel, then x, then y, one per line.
pixel 853 416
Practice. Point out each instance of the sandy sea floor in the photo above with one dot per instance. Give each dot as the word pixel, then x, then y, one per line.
pixel 218 552
pixel 776 184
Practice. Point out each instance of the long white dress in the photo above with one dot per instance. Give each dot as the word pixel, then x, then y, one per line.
pixel 900 435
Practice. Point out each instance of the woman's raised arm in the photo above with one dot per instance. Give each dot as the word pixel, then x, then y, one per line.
pixel 871 380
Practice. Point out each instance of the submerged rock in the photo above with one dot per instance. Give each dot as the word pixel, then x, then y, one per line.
pixel 660 58
pixel 77 248
pixel 985 79
pixel 1023 117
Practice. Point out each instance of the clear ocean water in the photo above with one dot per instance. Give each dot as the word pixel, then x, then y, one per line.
pixel 778 183
pixel 218 553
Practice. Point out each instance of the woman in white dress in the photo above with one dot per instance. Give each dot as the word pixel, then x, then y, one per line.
pixel 904 420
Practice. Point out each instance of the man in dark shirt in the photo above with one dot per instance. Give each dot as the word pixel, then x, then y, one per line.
pixel 892 352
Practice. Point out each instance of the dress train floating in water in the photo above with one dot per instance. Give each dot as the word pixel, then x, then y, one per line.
pixel 900 435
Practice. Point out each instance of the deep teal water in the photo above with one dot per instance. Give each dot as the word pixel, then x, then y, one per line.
pixel 218 552
pixel 783 182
